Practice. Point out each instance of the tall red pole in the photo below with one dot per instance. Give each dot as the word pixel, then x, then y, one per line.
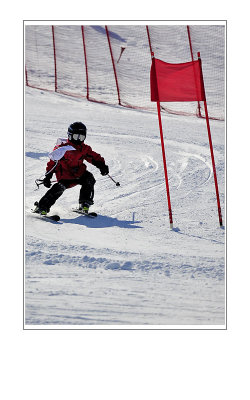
pixel 163 151
pixel 191 51
pixel 149 40
pixel 162 140
pixel 165 165
pixel 211 145
pixel 54 48
pixel 114 68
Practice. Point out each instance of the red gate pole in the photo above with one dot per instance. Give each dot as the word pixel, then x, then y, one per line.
pixel 163 149
pixel 191 51
pixel 165 165
pixel 54 48
pixel 162 140
pixel 149 40
pixel 112 58
pixel 211 145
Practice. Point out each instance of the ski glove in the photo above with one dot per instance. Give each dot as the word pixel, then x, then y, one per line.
pixel 47 182
pixel 104 169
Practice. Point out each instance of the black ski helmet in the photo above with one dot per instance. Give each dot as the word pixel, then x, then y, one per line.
pixel 77 132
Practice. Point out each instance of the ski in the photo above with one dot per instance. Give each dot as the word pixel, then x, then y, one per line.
pixel 51 217
pixel 55 217
pixel 90 214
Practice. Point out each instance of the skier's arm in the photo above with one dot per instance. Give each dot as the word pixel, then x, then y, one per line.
pixel 50 169
pixel 97 160
pixel 49 173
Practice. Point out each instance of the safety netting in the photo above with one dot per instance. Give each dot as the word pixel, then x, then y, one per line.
pixel 132 62
pixel 111 64
pixel 101 79
pixel 39 57
pixel 209 40
pixel 69 56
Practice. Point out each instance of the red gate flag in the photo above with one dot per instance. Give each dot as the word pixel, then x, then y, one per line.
pixel 176 82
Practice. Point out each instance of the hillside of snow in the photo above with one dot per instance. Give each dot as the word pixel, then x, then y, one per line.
pixel 126 267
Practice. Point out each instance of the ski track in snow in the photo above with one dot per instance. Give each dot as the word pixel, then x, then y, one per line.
pixel 126 267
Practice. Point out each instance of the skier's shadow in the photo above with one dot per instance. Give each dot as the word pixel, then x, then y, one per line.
pixel 101 221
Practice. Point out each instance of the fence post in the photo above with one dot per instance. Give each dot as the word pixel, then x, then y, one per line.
pixel 112 58
pixel 54 49
pixel 26 77
pixel 86 65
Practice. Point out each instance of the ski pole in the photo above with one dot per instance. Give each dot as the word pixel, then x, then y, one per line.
pixel 117 183
pixel 40 182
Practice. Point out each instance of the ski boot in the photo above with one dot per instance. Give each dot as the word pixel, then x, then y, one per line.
pixel 38 210
pixel 84 210
pixel 84 207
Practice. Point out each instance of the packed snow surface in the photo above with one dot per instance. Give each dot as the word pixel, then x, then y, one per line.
pixel 126 267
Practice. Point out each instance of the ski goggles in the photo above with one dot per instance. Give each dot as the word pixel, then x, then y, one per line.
pixel 78 136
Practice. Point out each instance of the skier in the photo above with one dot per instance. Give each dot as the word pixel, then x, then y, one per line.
pixel 66 161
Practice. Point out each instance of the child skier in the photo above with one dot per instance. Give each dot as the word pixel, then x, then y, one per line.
pixel 66 161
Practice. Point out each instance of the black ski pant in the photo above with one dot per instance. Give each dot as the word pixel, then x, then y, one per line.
pixel 87 182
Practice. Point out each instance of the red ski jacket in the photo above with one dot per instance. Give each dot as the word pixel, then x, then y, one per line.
pixel 67 160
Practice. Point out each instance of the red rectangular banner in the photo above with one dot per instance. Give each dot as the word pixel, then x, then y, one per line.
pixel 176 82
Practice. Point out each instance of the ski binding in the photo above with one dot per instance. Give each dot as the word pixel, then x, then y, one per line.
pixel 85 214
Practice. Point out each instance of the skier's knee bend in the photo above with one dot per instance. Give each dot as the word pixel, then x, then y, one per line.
pixel 59 187
pixel 90 180
pixel 51 196
pixel 56 190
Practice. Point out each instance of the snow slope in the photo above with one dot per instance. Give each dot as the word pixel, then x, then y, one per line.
pixel 126 267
